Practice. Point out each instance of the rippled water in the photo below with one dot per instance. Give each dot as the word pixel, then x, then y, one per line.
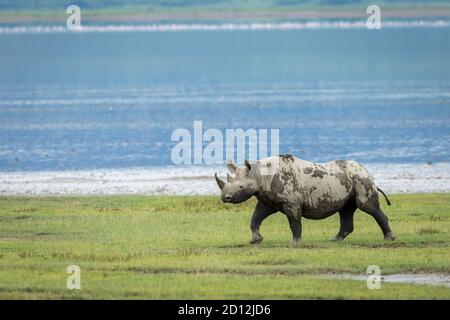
pixel 120 128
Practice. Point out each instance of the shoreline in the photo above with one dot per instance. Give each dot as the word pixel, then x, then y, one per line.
pixel 197 180
pixel 217 26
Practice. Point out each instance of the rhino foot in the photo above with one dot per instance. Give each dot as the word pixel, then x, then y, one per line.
pixel 257 238
pixel 389 236
pixel 338 238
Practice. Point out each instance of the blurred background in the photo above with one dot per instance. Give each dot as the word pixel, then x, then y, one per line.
pixel 92 111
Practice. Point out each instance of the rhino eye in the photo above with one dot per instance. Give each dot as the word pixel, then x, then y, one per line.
pixel 240 187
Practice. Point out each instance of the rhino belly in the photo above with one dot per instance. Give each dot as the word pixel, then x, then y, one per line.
pixel 323 210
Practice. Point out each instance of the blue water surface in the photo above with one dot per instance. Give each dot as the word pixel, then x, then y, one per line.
pixel 72 101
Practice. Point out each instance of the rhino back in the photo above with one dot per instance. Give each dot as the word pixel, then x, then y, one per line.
pixel 281 179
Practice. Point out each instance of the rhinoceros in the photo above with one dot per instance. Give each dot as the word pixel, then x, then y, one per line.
pixel 300 188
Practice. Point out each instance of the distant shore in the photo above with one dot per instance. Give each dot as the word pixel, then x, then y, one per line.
pixel 134 15
pixel 197 180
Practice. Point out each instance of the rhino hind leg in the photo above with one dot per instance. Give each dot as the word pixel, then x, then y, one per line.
pixel 372 207
pixel 346 220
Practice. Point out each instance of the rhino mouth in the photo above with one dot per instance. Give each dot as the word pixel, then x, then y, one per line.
pixel 225 199
pixel 236 198
pixel 229 200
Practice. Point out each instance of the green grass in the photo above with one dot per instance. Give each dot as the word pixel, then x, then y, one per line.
pixel 197 248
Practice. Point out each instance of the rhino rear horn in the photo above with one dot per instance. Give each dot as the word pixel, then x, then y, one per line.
pixel 231 166
pixel 248 165
pixel 220 183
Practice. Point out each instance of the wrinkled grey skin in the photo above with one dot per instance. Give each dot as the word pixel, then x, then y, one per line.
pixel 299 188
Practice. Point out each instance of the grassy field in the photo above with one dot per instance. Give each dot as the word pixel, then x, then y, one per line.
pixel 196 247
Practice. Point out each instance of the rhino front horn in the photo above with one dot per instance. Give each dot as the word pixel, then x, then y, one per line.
pixel 220 183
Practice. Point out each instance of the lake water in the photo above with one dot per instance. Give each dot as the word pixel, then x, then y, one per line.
pixel 98 102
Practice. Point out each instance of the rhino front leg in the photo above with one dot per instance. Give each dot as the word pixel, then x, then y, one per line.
pixel 262 211
pixel 294 215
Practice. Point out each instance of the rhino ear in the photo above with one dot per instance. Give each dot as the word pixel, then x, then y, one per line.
pixel 231 166
pixel 220 183
pixel 248 165
pixel 229 178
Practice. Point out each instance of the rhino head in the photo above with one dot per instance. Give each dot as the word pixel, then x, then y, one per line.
pixel 242 186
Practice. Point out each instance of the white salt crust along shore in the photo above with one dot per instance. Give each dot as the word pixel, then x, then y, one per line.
pixel 197 180
pixel 180 27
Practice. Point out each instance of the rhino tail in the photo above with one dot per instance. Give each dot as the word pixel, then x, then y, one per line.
pixel 385 196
